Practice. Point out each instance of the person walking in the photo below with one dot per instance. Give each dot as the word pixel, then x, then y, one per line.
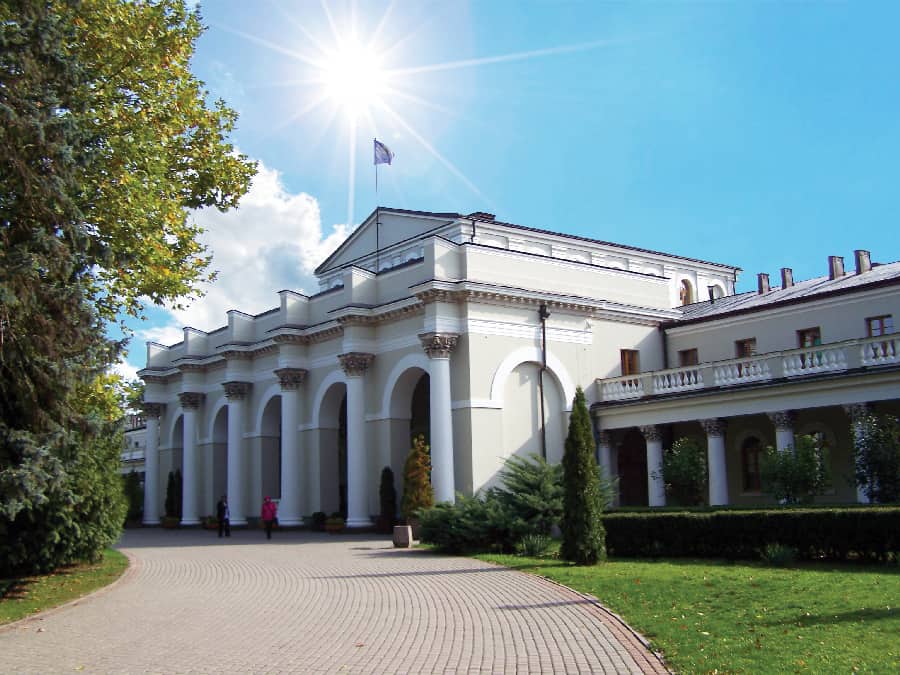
pixel 224 516
pixel 269 515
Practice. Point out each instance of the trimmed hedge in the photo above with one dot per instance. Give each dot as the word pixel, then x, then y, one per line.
pixel 816 533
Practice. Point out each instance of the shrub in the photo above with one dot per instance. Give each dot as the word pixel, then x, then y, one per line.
pixel 877 458
pixel 388 498
pixel 417 491
pixel 795 475
pixel 582 528
pixel 684 472
pixel 171 493
pixel 317 521
pixel 531 492
pixel 534 545
pixel 778 555
pixel 471 524
pixel 134 494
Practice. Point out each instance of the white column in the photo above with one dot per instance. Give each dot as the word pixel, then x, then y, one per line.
pixel 438 347
pixel 152 412
pixel 715 453
pixel 190 403
pixel 292 475
pixel 656 488
pixel 355 365
pixel 784 429
pixel 857 414
pixel 236 392
pixel 604 452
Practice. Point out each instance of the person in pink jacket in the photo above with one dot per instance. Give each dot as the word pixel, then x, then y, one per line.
pixel 269 515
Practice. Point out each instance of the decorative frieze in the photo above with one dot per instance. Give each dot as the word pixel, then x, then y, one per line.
pixel 355 364
pixel 264 350
pixel 291 339
pixel 291 378
pixel 236 391
pixel 439 345
pixel 192 368
pixel 326 334
pixel 714 426
pixel 652 432
pixel 236 355
pixel 155 379
pixel 153 409
pixel 191 400
pixel 783 420
pixel 438 295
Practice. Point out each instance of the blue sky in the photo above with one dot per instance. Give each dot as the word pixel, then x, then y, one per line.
pixel 759 134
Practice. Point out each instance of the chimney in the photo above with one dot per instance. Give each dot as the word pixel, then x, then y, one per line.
pixel 835 267
pixel 762 283
pixel 712 293
pixel 863 261
pixel 787 277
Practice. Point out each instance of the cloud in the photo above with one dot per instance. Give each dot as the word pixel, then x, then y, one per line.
pixel 273 241
pixel 125 369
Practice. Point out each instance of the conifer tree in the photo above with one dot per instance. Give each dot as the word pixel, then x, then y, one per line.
pixel 417 490
pixel 583 534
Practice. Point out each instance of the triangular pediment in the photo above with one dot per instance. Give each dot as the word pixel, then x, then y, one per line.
pixel 382 229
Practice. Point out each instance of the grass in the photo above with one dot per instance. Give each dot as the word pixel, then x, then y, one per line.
pixel 25 596
pixel 713 617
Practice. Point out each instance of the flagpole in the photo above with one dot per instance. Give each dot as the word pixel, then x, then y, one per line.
pixel 377 213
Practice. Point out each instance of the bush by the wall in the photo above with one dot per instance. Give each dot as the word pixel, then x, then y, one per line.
pixel 877 458
pixel 471 524
pixel 795 475
pixel 817 533
pixel 684 472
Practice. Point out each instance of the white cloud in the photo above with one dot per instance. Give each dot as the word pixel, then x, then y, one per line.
pixel 273 241
pixel 125 369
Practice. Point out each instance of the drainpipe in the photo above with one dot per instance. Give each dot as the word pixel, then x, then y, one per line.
pixel 543 314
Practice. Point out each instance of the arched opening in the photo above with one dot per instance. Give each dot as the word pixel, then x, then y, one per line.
pixel 333 450
pixel 219 459
pixel 632 460
pixel 686 292
pixel 269 466
pixel 410 414
pixel 530 424
pixel 751 450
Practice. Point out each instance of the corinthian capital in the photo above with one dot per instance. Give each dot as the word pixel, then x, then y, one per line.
pixel 355 364
pixel 153 409
pixel 291 378
pixel 191 400
pixel 783 420
pixel 652 432
pixel 439 345
pixel 235 391
pixel 714 426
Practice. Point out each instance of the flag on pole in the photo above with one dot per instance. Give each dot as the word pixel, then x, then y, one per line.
pixel 383 154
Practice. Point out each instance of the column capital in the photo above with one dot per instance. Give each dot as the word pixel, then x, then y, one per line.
pixel 652 432
pixel 857 412
pixel 715 426
pixel 604 438
pixel 236 391
pixel 191 400
pixel 291 378
pixel 153 409
pixel 355 364
pixel 783 420
pixel 439 345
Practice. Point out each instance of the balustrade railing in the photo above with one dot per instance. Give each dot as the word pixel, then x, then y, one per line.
pixel 881 350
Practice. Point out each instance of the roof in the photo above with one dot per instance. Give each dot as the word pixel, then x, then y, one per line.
pixel 801 291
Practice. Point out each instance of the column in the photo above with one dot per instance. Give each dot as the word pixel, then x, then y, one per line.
pixel 604 452
pixel 438 347
pixel 784 429
pixel 656 488
pixel 715 453
pixel 190 403
pixel 236 392
pixel 152 413
pixel 857 414
pixel 292 474
pixel 355 365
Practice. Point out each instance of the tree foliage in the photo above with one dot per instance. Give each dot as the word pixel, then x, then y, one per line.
pixel 531 492
pixel 795 475
pixel 877 458
pixel 583 536
pixel 417 490
pixel 387 496
pixel 684 472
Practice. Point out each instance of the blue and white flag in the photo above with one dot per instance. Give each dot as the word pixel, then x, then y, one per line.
pixel 383 154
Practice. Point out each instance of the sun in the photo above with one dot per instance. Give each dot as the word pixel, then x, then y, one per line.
pixel 353 77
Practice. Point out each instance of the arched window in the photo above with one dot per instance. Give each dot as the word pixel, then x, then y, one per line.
pixel 750 454
pixel 686 294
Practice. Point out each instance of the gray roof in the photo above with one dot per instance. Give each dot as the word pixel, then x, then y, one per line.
pixel 880 274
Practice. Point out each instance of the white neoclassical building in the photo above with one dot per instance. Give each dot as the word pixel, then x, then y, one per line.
pixel 476 333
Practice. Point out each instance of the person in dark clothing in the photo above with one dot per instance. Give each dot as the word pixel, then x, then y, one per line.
pixel 224 516
pixel 269 515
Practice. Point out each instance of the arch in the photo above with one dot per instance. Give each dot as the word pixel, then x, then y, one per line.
pixel 407 363
pixel 718 291
pixel 268 394
pixel 333 378
pixel 532 354
pixel 686 292
pixel 220 403
pixel 172 426
pixel 751 452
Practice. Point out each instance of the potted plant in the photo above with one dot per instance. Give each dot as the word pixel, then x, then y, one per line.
pixel 210 523
pixel 317 521
pixel 335 523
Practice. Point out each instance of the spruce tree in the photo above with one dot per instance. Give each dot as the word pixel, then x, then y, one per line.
pixel 417 490
pixel 583 535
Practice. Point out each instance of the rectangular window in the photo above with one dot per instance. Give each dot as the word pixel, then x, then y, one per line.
pixel 688 357
pixel 879 325
pixel 744 349
pixel 630 362
pixel 809 337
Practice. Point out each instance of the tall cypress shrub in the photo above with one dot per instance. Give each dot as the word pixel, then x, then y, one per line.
pixel 583 535
pixel 417 490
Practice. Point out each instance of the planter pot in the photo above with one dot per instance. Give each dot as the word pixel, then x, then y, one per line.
pixel 170 523
pixel 403 536
pixel 334 527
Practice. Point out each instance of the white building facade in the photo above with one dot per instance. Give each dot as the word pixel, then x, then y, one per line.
pixel 477 333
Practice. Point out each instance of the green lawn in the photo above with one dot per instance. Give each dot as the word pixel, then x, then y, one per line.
pixel 21 597
pixel 709 616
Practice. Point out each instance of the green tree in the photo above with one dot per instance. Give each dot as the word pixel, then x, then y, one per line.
pixel 531 492
pixel 583 535
pixel 417 490
pixel 877 458
pixel 387 495
pixel 797 474
pixel 684 472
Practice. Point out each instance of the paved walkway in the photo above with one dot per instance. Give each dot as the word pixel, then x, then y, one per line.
pixel 317 603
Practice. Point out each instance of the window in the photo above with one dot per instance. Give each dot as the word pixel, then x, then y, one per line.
pixel 630 362
pixel 686 293
pixel 744 349
pixel 688 357
pixel 809 337
pixel 879 325
pixel 750 453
